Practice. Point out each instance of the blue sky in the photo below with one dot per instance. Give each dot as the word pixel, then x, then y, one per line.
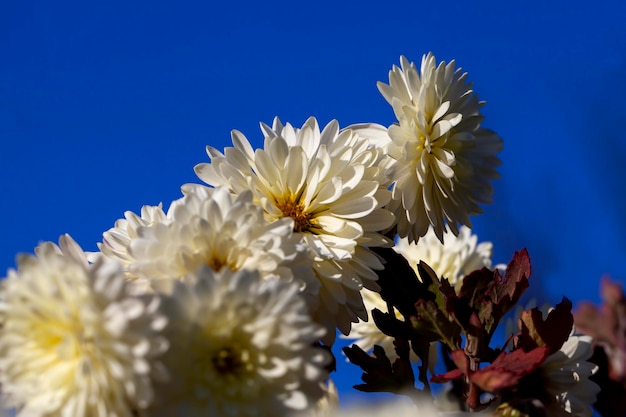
pixel 107 106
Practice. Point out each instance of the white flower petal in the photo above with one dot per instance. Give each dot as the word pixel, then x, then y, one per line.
pixel 565 375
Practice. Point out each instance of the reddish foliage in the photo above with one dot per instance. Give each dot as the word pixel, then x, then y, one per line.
pixel 607 326
pixel 504 373
pixel 552 332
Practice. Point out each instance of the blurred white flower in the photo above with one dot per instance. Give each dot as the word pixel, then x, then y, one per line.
pixel 241 346
pixel 333 184
pixel 445 160
pixel 565 376
pixel 396 408
pixel 328 405
pixel 456 257
pixel 212 227
pixel 73 342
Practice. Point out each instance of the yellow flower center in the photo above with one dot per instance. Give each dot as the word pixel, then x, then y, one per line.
pixel 424 143
pixel 227 362
pixel 290 207
pixel 217 258
pixel 216 263
pixel 70 345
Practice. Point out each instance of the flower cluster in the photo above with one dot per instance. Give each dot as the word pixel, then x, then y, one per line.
pixel 228 302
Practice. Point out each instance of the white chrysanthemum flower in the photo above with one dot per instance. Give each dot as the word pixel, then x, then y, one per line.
pixel 216 228
pixel 333 184
pixel 241 346
pixel 565 375
pixel 73 342
pixel 456 257
pixel 445 160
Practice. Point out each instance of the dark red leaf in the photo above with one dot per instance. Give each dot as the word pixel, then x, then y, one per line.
pixel 448 376
pixel 508 368
pixel 379 375
pixel 505 292
pixel 462 363
pixel 552 332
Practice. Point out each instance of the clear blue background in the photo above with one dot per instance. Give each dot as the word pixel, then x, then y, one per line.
pixel 107 106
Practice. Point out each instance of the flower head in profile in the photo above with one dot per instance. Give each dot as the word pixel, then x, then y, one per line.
pixel 333 184
pixel 216 228
pixel 73 342
pixel 565 377
pixel 241 346
pixel 444 159
pixel 453 258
